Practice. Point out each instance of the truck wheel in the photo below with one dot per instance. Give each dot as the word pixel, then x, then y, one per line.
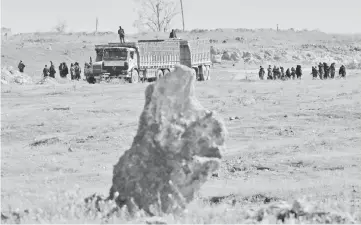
pixel 207 74
pixel 202 75
pixel 135 77
pixel 159 74
pixel 165 72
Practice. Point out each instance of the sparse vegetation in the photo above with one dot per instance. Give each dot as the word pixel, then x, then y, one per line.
pixel 156 15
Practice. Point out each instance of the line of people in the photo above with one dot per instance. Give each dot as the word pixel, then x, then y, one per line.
pixel 325 72
pixel 278 73
pixel 75 70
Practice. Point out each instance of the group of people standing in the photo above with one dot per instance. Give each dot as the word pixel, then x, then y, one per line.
pixel 278 73
pixel 325 72
pixel 75 70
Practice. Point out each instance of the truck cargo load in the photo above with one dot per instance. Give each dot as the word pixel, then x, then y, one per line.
pixel 151 59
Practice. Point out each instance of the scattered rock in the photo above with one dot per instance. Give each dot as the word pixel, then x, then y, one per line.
pixel 263 168
pixel 10 75
pixel 61 108
pixel 226 56
pixel 46 141
pixel 176 148
pixel 301 211
pixel 215 51
pixel 235 56
pixel 215 175
pixel 216 58
pixel 47 80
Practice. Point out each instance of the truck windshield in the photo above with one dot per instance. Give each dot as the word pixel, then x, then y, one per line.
pixel 115 53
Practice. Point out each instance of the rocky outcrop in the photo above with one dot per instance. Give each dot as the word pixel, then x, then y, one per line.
pixel 9 76
pixel 177 147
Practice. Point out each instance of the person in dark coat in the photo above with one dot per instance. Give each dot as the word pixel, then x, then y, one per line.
pixel 61 69
pixel 342 71
pixel 269 73
pixel 275 73
pixel 314 73
pixel 332 70
pixel 21 66
pixel 293 73
pixel 64 70
pixel 45 71
pixel 52 70
pixel 121 34
pixel 261 73
pixel 173 34
pixel 320 70
pixel 288 73
pixel 77 71
pixel 298 71
pixel 326 70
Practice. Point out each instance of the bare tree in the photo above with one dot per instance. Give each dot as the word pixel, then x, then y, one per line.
pixel 61 26
pixel 156 15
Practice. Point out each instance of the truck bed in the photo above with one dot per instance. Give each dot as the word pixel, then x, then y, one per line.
pixel 158 53
pixel 195 52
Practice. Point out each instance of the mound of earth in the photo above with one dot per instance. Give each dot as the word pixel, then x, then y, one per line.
pixel 11 76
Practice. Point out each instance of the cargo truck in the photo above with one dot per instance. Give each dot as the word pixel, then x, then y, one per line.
pixel 148 60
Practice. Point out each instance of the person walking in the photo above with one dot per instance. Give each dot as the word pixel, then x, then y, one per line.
pixel 21 66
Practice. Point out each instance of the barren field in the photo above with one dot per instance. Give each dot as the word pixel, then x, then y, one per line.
pixel 286 139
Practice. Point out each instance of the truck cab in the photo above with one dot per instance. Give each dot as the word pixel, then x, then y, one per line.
pixel 119 61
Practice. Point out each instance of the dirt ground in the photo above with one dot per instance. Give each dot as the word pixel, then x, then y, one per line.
pixel 286 139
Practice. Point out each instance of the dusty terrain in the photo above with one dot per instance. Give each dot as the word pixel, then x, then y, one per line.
pixel 286 139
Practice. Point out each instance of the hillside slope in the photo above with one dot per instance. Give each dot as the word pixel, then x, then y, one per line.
pixel 254 47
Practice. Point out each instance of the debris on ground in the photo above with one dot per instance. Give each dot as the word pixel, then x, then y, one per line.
pixel 9 75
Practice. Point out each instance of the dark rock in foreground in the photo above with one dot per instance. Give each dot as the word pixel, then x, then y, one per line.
pixel 177 147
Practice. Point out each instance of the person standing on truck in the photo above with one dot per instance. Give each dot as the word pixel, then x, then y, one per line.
pixel 121 34
pixel 173 34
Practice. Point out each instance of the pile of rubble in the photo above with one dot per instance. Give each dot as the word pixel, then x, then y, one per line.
pixel 281 56
pixel 11 76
